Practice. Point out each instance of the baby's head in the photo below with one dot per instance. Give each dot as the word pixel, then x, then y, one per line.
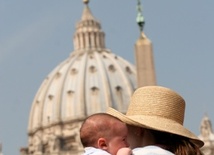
pixel 105 132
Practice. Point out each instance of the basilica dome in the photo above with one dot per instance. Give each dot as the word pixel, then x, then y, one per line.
pixel 91 79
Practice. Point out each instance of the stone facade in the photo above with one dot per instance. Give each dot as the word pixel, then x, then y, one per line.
pixel 60 139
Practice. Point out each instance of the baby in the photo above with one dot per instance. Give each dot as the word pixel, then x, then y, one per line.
pixel 103 134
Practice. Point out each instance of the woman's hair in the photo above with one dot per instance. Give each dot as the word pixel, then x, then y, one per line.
pixel 176 144
pixel 186 147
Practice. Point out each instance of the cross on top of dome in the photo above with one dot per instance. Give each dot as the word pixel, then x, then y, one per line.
pixel 86 1
pixel 140 18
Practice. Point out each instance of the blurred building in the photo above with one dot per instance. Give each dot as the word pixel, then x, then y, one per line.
pixel 91 79
pixel 207 135
pixel 1 149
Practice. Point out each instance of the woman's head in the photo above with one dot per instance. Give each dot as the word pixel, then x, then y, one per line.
pixel 157 108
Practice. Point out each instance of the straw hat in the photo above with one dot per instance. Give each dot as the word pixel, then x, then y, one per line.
pixel 157 108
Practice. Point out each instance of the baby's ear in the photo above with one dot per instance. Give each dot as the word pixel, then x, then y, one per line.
pixel 102 144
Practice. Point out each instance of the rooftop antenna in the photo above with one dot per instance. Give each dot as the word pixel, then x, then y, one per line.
pixel 140 18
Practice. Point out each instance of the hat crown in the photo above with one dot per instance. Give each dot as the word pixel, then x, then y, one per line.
pixel 159 102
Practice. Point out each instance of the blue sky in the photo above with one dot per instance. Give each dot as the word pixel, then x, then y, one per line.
pixel 35 36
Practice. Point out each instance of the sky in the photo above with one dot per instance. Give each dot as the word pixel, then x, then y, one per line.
pixel 35 36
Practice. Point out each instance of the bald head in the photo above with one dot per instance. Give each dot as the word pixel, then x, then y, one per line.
pixel 97 126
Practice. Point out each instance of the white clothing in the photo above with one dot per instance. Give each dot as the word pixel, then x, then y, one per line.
pixel 151 150
pixel 94 151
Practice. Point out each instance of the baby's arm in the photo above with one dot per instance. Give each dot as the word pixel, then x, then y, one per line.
pixel 124 151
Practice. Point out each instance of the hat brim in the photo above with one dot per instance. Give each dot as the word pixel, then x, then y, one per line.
pixel 156 123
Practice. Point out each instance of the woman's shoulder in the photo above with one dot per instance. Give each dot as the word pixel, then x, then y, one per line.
pixel 151 150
